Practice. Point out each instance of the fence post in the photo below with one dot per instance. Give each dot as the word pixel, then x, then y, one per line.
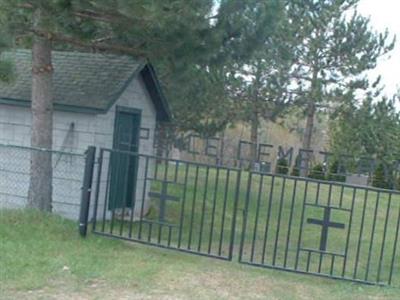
pixel 86 190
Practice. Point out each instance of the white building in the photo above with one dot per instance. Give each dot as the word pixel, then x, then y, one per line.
pixel 99 100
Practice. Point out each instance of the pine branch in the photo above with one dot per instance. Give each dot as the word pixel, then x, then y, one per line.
pixel 92 45
pixel 26 5
pixel 111 17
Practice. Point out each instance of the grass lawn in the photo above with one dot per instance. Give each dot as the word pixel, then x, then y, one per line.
pixel 42 257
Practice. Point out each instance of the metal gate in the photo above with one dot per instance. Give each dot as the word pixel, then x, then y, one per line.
pixel 322 228
pixel 175 204
pixel 289 223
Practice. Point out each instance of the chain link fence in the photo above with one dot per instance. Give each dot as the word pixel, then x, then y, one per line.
pixel 68 169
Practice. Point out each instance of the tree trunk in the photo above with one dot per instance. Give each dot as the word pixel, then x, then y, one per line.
pixel 40 188
pixel 254 124
pixel 307 138
pixel 222 149
pixel 308 132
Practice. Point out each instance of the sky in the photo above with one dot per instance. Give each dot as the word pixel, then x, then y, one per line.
pixel 385 14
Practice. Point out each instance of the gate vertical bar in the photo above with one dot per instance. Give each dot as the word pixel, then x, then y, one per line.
pixel 160 226
pixel 183 206
pixel 193 207
pixel 244 225
pixel 97 193
pixel 372 235
pixel 235 208
pixel 213 211
pixel 384 239
pixel 268 220
pixel 290 223
pixel 203 208
pixel 139 236
pixel 361 234
pixel 86 190
pixel 221 236
pixel 253 243
pixel 353 200
pixel 394 248
pixel 124 194
pixel 282 199
pixel 301 225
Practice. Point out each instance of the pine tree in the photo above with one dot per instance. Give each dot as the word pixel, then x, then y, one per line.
pixel 336 48
pixel 259 78
pixel 282 166
pixel 380 179
pixel 317 172
pixel 335 172
pixel 296 167
pixel 156 29
pixel 372 129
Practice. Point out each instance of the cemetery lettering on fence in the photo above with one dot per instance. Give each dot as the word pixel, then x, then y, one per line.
pixel 280 159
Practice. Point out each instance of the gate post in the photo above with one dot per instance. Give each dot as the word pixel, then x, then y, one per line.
pixel 86 190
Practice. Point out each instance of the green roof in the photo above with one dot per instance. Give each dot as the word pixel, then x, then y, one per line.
pixel 89 82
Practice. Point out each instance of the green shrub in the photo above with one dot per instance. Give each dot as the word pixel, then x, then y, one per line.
pixel 379 180
pixel 317 172
pixel 282 166
pixel 295 172
pixel 296 168
pixel 335 172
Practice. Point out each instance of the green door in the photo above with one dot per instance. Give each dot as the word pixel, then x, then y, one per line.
pixel 124 165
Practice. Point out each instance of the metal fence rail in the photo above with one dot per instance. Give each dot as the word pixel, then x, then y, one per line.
pixel 169 203
pixel 321 228
pixel 296 224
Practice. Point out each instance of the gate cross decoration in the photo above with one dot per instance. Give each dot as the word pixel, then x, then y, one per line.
pixel 325 223
pixel 163 197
